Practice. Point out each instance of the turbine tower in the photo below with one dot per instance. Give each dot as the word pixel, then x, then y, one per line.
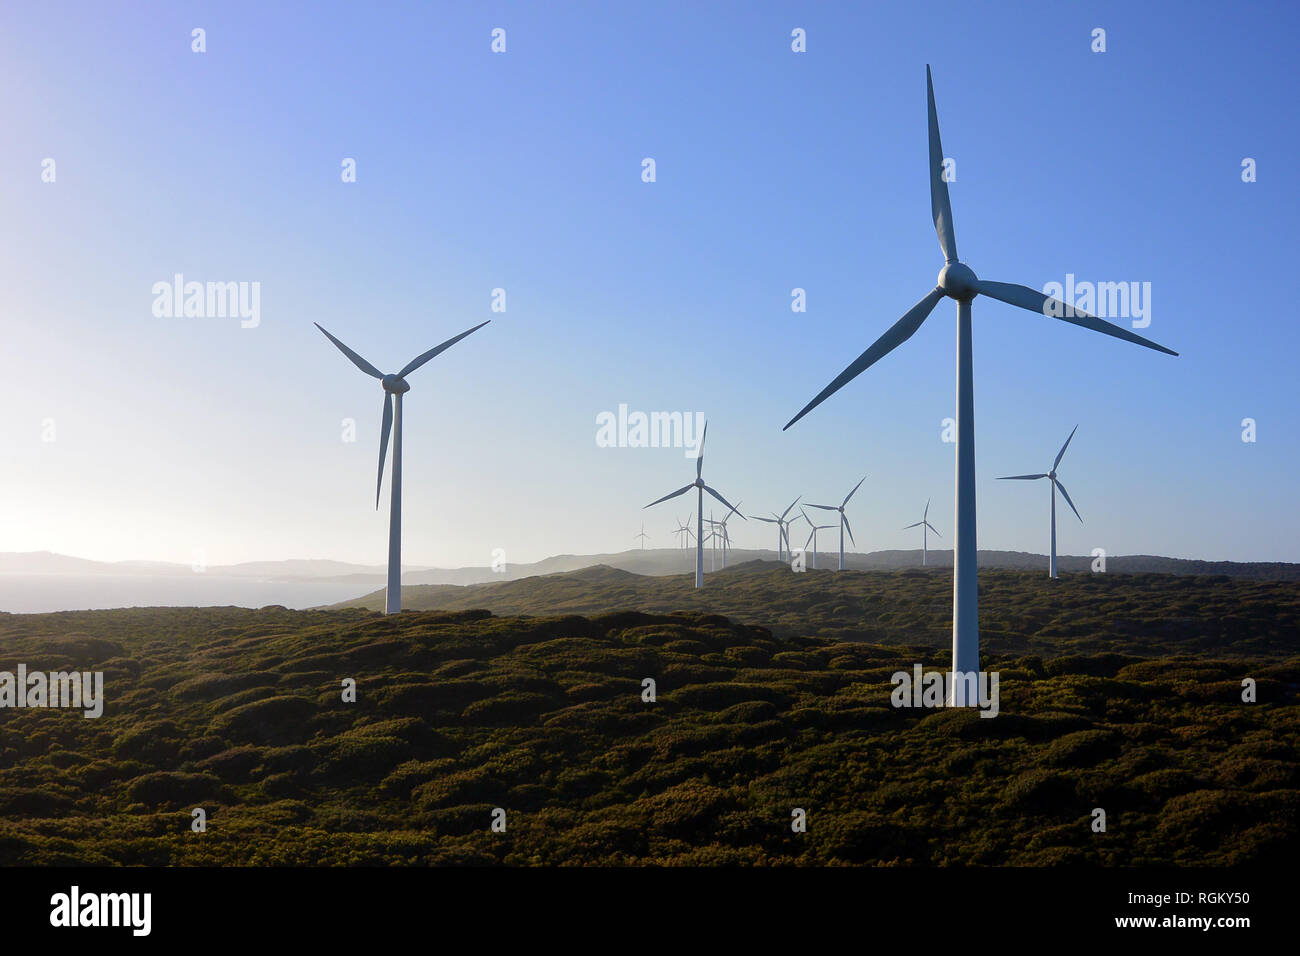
pixel 957 281
pixel 394 385
pixel 844 519
pixel 700 488
pixel 726 537
pixel 642 536
pixel 923 524
pixel 1051 476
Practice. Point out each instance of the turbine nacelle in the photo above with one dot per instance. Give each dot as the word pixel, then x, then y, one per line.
pixel 395 384
pixel 958 281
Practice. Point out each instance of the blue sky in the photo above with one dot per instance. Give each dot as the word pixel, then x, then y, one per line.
pixel 522 171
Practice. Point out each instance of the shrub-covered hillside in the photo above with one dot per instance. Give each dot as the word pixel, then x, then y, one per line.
pixel 240 712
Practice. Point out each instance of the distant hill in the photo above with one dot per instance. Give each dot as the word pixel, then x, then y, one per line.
pixel 1020 611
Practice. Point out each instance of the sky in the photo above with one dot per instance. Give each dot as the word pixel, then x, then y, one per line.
pixel 128 435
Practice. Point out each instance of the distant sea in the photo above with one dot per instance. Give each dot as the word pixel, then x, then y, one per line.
pixel 39 593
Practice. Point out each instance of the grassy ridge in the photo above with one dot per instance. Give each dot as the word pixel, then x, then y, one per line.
pixel 240 712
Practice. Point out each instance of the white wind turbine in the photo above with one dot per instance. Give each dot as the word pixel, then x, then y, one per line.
pixel 957 281
pixel 812 535
pixel 782 529
pixel 394 385
pixel 684 529
pixel 700 488
pixel 924 524
pixel 1051 476
pixel 642 536
pixel 844 519
pixel 726 538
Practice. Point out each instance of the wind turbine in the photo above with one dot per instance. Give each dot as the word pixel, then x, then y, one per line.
pixel 700 488
pixel 957 281
pixel 923 524
pixel 812 535
pixel 683 527
pixel 844 519
pixel 642 536
pixel 394 385
pixel 782 534
pixel 1051 476
pixel 726 538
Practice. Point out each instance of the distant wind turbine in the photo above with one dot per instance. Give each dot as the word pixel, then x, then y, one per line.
pixel 782 526
pixel 957 281
pixel 394 385
pixel 683 532
pixel 642 535
pixel 1051 476
pixel 812 535
pixel 700 488
pixel 924 524
pixel 726 538
pixel 844 519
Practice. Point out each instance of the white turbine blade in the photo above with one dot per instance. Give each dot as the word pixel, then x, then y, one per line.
pixel 1036 301
pixel 1060 454
pixel 384 429
pixel 1061 488
pixel 926 513
pixel 916 525
pixel 810 537
pixel 823 507
pixel 699 456
pixel 848 527
pixel 768 520
pixel 896 335
pixel 940 207
pixel 853 492
pixel 722 499
pixel 1021 477
pixel 787 510
pixel 933 528
pixel 419 360
pixel 357 360
pixel 679 491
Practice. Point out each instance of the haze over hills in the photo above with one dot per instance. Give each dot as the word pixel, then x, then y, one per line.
pixel 40 581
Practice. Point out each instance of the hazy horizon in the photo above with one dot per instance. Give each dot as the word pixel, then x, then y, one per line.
pixel 131 436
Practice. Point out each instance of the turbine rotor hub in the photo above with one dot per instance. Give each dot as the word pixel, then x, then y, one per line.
pixel 395 384
pixel 958 281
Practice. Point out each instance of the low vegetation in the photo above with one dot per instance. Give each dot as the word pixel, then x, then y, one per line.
pixel 1137 709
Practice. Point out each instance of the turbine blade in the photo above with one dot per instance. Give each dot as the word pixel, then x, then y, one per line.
pixel 823 507
pixel 1036 301
pixel 722 499
pixel 419 360
pixel 940 207
pixel 699 457
pixel 810 537
pixel 792 504
pixel 1061 488
pixel 917 525
pixel 1061 453
pixel 926 513
pixel 1021 477
pixel 384 429
pixel 768 520
pixel 896 335
pixel 848 527
pixel 357 360
pixel 933 528
pixel 853 492
pixel 679 491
